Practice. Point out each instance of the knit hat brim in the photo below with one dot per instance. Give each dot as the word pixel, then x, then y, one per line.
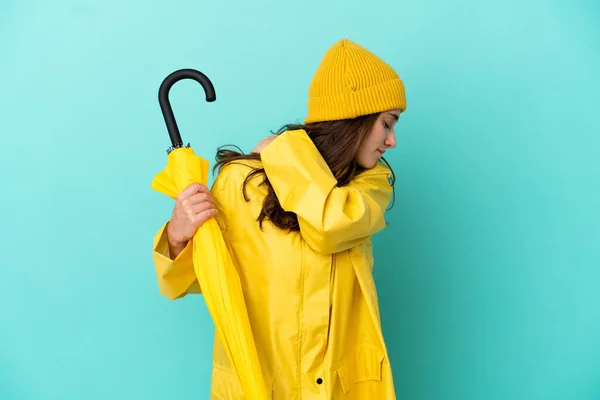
pixel 385 96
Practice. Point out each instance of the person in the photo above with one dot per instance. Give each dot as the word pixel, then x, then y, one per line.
pixel 298 214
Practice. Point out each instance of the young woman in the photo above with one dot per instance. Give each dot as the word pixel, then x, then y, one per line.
pixel 297 215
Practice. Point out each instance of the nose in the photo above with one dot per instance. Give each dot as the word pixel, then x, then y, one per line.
pixel 390 140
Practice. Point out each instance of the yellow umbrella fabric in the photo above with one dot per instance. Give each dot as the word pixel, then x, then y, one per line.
pixel 213 265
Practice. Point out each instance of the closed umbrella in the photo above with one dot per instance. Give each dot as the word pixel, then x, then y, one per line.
pixel 213 265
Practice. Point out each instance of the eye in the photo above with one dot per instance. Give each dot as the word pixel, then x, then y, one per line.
pixel 386 125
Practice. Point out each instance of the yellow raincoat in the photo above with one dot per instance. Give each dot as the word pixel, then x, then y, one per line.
pixel 310 295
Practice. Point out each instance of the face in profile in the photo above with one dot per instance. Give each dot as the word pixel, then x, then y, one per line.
pixel 381 138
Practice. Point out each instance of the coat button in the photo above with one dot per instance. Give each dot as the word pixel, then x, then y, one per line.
pixel 319 381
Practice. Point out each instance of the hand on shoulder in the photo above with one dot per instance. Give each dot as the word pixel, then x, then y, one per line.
pixel 264 143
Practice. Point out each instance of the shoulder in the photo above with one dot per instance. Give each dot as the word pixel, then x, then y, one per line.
pixel 231 177
pixel 237 169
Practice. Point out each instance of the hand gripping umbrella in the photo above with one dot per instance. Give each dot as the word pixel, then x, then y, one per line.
pixel 218 278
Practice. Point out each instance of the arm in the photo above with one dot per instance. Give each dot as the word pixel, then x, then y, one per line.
pixel 176 278
pixel 331 218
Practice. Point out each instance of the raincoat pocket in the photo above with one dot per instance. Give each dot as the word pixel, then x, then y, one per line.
pixel 363 365
pixel 226 385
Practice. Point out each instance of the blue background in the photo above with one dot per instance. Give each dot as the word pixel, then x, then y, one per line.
pixel 487 274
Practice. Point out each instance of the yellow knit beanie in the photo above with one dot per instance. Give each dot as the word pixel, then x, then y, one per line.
pixel 350 82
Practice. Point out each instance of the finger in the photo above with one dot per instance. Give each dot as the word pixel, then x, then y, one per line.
pixel 188 191
pixel 203 188
pixel 201 207
pixel 188 205
pixel 199 198
pixel 192 189
pixel 205 215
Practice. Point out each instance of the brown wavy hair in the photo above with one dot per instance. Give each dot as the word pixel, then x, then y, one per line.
pixel 337 141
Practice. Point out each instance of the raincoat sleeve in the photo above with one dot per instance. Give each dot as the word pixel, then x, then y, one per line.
pixel 331 218
pixel 176 278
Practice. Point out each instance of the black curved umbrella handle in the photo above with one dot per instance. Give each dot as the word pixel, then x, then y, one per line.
pixel 165 105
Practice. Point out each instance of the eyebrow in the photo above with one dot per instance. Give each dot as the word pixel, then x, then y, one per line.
pixel 395 116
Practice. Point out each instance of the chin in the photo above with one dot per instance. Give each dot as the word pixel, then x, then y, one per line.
pixel 367 164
